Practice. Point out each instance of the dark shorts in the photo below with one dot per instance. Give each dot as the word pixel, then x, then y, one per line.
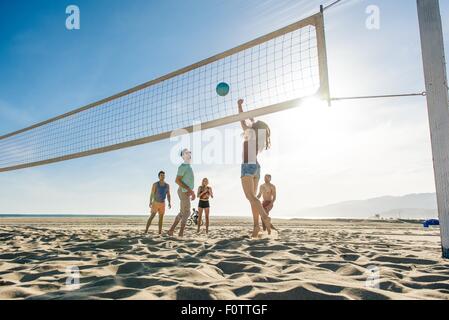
pixel 267 205
pixel 204 204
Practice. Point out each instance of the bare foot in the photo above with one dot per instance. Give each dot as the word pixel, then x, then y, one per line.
pixel 267 222
pixel 170 233
pixel 256 231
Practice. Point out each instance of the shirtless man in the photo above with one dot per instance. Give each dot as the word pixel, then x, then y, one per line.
pixel 268 192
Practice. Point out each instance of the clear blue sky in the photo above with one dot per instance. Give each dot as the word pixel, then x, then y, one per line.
pixel 352 151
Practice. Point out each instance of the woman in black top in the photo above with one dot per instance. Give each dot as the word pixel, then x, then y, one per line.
pixel 204 193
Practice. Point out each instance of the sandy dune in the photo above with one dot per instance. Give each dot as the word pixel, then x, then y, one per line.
pixel 306 260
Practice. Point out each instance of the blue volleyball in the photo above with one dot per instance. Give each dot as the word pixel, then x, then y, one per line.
pixel 222 89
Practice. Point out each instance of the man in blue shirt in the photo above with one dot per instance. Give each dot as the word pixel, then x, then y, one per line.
pixel 159 192
pixel 185 180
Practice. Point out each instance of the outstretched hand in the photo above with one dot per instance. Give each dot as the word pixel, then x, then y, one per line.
pixel 240 104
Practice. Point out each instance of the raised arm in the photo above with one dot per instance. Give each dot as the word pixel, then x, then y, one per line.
pixel 242 122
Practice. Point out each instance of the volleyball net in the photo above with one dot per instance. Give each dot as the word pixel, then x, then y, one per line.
pixel 271 73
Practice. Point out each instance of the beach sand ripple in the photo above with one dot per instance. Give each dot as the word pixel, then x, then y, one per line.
pixel 306 259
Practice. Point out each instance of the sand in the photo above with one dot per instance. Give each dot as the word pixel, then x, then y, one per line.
pixel 307 259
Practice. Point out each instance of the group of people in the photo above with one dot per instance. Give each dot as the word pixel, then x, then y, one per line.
pixel 256 136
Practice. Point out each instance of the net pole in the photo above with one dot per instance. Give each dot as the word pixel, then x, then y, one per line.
pixel 438 109
pixel 322 57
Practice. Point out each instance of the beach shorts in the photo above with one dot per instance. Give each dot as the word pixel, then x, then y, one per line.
pixel 158 207
pixel 250 170
pixel 267 205
pixel 204 204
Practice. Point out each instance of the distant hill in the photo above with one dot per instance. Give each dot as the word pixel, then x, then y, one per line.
pixel 411 206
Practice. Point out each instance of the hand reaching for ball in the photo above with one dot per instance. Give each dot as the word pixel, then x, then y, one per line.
pixel 240 104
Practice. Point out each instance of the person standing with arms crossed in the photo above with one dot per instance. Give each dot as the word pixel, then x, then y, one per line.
pixel 204 192
pixel 159 192
pixel 185 181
